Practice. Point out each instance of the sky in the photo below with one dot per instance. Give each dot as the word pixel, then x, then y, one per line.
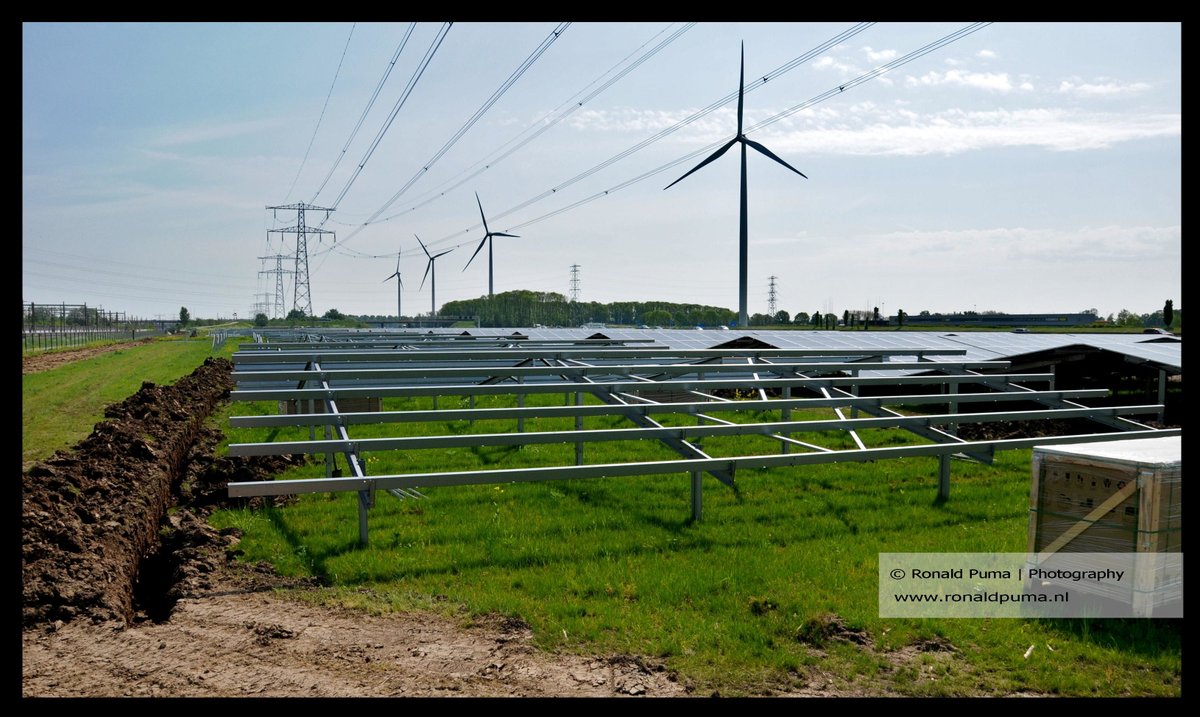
pixel 1014 167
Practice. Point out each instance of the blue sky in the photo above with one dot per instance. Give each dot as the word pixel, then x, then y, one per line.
pixel 1024 167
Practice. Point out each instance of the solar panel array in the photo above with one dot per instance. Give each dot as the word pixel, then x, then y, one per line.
pixel 750 386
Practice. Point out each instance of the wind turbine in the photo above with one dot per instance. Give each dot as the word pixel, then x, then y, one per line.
pixel 399 286
pixel 429 269
pixel 487 237
pixel 743 321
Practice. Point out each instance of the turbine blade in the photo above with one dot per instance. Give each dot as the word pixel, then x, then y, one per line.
pixel 481 243
pixel 502 234
pixel 443 253
pixel 711 157
pixel 485 229
pixel 771 154
pixel 422 245
pixel 428 266
pixel 741 87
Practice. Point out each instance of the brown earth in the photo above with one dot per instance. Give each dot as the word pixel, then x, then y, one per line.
pixel 128 591
pixel 32 363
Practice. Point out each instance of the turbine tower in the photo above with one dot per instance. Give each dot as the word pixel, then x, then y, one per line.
pixel 431 274
pixel 743 320
pixel 487 237
pixel 399 285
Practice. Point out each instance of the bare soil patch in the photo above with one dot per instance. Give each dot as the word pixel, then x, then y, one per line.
pixel 127 591
pixel 33 363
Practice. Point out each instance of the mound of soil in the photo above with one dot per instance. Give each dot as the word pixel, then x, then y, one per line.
pixel 94 519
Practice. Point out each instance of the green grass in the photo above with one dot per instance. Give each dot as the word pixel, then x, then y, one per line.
pixel 616 566
pixel 60 406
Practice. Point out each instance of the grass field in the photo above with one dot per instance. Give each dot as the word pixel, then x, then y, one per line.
pixel 740 602
pixel 735 602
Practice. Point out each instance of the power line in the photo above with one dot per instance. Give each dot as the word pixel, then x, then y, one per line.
pixel 322 115
pixel 370 103
pixel 545 123
pixel 412 83
pixel 751 86
pixel 500 91
pixel 937 44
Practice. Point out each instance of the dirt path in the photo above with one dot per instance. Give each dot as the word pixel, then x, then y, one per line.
pixel 33 363
pixel 257 644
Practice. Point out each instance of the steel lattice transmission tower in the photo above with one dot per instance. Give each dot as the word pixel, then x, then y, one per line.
pixel 574 282
pixel 771 298
pixel 280 301
pixel 302 297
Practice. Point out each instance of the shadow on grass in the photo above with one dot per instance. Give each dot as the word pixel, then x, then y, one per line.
pixel 314 562
pixel 491 455
pixel 1143 636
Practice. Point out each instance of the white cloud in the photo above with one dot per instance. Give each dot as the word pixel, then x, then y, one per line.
pixel 1103 89
pixel 879 55
pixel 211 131
pixel 1050 246
pixel 995 81
pixel 904 132
pixel 1026 86
pixel 628 119
pixel 986 54
pixel 825 62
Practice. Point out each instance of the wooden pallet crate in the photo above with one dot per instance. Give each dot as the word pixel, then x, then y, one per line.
pixel 1112 497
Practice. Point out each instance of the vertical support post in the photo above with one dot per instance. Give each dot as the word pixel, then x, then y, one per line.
pixel 578 427
pixel 944 477
pixel 312 430
pixel 786 415
pixel 697 497
pixel 328 454
pixel 952 428
pixel 520 404
pixel 364 502
pixel 1162 393
pixel 854 392
pixel 435 406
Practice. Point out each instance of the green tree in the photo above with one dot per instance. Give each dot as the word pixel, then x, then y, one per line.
pixel 260 319
pixel 295 315
pixel 783 317
pixel 816 319
pixel 846 318
pixel 657 317
pixel 334 314
pixel 900 318
pixel 801 318
pixel 1168 313
pixel 184 316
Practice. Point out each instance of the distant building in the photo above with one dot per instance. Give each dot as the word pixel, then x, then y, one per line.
pixel 1000 320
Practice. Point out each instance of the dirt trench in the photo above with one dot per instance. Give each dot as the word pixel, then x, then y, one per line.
pixel 100 540
pixel 127 590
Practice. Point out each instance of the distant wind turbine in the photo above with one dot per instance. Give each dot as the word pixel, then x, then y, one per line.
pixel 743 320
pixel 399 285
pixel 487 237
pixel 431 273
